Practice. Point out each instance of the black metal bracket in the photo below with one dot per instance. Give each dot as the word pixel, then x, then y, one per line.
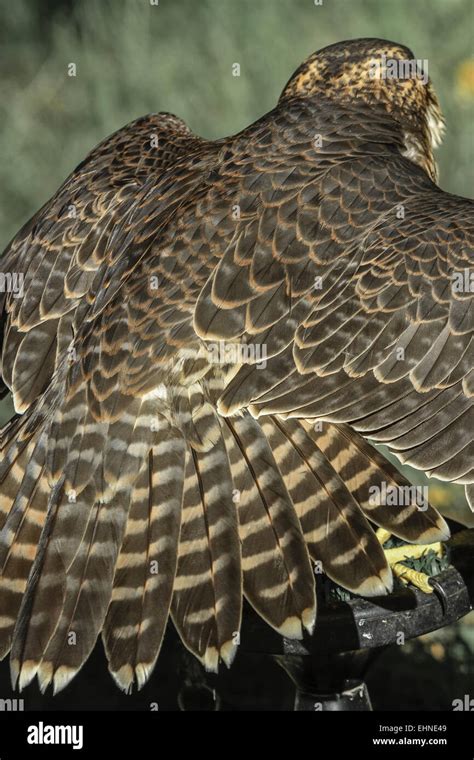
pixel 327 667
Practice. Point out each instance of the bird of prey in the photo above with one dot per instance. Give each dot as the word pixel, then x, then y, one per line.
pixel 205 335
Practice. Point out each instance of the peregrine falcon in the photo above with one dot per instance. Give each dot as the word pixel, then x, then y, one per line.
pixel 199 338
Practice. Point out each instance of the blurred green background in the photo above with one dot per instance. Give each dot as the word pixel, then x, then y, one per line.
pixel 137 56
pixel 133 57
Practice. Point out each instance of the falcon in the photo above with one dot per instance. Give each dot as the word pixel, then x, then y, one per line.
pixel 205 335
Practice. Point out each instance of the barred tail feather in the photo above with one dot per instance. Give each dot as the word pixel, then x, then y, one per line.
pixel 336 531
pixel 67 597
pixel 369 475
pixel 70 583
pixel 146 567
pixel 207 599
pixel 278 578
pixel 20 535
pixel 238 510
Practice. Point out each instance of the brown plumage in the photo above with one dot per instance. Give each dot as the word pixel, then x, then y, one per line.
pixel 208 333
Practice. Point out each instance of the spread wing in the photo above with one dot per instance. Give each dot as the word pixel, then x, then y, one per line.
pixel 344 266
pixel 63 256
pixel 265 247
pixel 359 286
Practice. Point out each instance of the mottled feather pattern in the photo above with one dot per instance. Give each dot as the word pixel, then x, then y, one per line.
pixel 208 334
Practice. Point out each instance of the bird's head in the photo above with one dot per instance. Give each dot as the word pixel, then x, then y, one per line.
pixel 379 71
